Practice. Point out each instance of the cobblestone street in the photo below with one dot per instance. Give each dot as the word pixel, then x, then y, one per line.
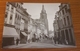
pixel 38 45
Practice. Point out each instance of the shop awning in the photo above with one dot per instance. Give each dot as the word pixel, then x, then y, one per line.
pixel 24 33
pixel 10 32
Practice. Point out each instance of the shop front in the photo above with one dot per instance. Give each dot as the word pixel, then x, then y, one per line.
pixel 9 36
pixel 23 38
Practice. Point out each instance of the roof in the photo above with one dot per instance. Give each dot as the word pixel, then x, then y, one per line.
pixel 10 32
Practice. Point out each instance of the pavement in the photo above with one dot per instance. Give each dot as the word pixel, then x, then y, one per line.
pixel 47 41
pixel 38 45
pixel 14 46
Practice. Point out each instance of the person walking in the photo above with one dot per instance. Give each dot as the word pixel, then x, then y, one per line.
pixel 17 41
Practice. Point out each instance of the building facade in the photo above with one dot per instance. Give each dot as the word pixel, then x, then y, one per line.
pixel 22 18
pixel 31 30
pixel 64 27
pixel 9 32
pixel 56 27
pixel 15 24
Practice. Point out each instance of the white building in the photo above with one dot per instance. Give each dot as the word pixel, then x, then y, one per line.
pixel 9 32
pixel 16 21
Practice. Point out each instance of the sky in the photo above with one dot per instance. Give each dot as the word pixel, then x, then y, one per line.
pixel 34 9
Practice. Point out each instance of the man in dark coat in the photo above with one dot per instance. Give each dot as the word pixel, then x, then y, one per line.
pixel 17 41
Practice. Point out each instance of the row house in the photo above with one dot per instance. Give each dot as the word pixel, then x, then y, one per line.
pixel 24 18
pixel 63 27
pixel 31 30
pixel 16 21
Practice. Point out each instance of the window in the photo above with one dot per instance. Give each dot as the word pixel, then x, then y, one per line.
pixel 59 13
pixel 61 23
pixel 17 4
pixel 6 15
pixel 19 17
pixel 66 9
pixel 68 20
pixel 11 17
pixel 12 8
pixel 64 21
pixel 16 18
pixel 63 12
pixel 67 35
pixel 71 36
pixel 7 6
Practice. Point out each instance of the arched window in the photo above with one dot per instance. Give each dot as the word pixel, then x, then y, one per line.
pixel 11 17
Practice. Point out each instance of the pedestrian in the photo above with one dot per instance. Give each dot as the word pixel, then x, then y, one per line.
pixel 17 41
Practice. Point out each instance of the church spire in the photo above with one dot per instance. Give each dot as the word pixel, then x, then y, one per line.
pixel 43 10
pixel 43 18
pixel 42 7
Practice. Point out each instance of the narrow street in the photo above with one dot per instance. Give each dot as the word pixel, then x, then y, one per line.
pixel 38 45
pixel 43 45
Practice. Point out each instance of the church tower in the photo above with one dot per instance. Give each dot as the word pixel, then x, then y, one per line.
pixel 43 18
